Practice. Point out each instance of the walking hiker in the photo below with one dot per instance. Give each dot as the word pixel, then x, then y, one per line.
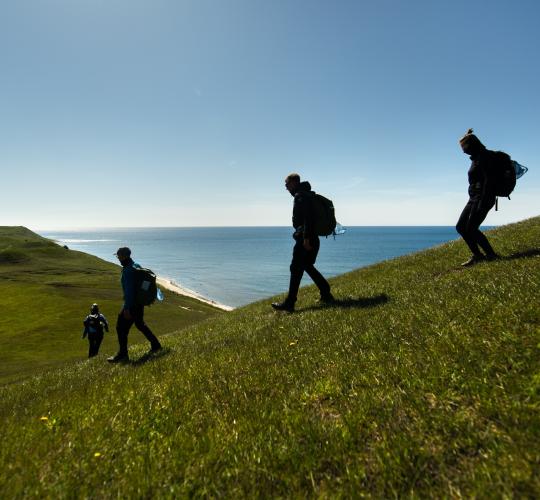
pixel 306 245
pixel 94 324
pixel 482 198
pixel 132 312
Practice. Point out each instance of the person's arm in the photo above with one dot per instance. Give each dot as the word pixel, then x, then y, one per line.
pixel 85 323
pixel 129 288
pixel 309 223
pixel 488 185
pixel 105 323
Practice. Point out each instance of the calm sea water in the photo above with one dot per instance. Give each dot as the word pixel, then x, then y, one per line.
pixel 238 265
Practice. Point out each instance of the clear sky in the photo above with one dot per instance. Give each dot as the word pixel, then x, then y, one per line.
pixel 191 112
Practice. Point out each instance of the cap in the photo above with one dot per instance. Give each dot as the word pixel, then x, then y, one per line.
pixel 123 252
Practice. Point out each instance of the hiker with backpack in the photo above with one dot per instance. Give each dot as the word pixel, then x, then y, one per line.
pixel 94 324
pixel 135 299
pixel 305 219
pixel 485 182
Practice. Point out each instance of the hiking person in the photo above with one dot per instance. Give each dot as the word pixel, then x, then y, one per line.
pixel 132 313
pixel 306 245
pixel 481 199
pixel 94 324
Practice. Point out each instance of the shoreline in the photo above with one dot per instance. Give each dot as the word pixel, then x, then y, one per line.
pixel 166 283
pixel 171 286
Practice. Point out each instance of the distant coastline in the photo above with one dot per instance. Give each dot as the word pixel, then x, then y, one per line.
pixel 233 267
pixel 172 286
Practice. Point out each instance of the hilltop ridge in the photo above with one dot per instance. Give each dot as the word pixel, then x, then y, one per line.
pixel 422 380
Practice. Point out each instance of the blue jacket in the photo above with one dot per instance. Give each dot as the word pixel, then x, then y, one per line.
pixel 128 283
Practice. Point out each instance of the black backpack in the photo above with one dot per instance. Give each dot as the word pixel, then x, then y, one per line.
pixel 324 215
pixel 94 322
pixel 503 173
pixel 145 286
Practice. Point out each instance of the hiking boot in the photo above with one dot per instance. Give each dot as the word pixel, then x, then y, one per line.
pixel 327 299
pixel 475 259
pixel 283 306
pixel 118 358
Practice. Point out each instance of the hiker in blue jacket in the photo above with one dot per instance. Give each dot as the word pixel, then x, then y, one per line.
pixel 132 313
pixel 306 247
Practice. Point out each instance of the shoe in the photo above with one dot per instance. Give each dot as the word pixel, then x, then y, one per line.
pixel 327 299
pixel 493 256
pixel 283 306
pixel 156 348
pixel 118 358
pixel 475 259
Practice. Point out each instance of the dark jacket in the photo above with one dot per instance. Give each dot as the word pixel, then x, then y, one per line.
pixel 128 283
pixel 302 218
pixel 94 323
pixel 481 186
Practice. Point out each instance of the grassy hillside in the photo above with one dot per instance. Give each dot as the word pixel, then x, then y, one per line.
pixel 45 293
pixel 423 380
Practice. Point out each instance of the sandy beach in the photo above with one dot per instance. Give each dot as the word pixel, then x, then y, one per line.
pixel 171 286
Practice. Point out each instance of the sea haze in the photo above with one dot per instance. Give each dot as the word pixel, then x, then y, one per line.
pixel 238 265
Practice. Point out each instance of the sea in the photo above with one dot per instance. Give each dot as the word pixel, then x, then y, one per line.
pixel 238 265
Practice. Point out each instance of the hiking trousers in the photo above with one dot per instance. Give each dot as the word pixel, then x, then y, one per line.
pixel 94 341
pixel 123 326
pixel 469 222
pixel 304 260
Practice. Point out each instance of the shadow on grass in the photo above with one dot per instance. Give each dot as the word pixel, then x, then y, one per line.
pixel 149 356
pixel 348 303
pixel 532 252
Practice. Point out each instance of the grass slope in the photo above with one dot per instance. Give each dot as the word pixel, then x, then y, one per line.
pixel 45 293
pixel 424 380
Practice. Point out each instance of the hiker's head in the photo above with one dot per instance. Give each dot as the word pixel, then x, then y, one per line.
pixel 470 143
pixel 123 254
pixel 94 309
pixel 292 181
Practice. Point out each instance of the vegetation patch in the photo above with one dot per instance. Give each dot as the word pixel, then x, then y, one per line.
pixel 424 382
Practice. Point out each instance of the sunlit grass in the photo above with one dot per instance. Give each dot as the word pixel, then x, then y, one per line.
pixel 423 380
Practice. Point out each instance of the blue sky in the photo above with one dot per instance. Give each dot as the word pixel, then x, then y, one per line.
pixel 183 113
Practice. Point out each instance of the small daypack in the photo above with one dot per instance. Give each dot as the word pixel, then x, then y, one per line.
pixel 93 322
pixel 324 215
pixel 145 286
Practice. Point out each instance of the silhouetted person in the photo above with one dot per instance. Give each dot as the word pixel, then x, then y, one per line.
pixel 132 312
pixel 94 324
pixel 481 199
pixel 307 244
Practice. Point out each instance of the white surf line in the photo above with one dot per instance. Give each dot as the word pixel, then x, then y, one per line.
pixel 175 288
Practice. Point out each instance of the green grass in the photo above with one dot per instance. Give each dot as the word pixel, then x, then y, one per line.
pixel 424 381
pixel 46 292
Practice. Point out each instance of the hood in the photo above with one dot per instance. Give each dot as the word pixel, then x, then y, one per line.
pixel 303 187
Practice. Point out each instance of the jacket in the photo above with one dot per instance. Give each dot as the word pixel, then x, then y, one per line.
pixel 128 283
pixel 94 323
pixel 302 217
pixel 481 187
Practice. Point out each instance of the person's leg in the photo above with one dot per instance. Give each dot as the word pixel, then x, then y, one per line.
pixel 313 273
pixel 99 339
pixel 138 316
pixel 92 340
pixel 477 217
pixel 122 329
pixel 463 228
pixel 297 271
pixel 90 346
